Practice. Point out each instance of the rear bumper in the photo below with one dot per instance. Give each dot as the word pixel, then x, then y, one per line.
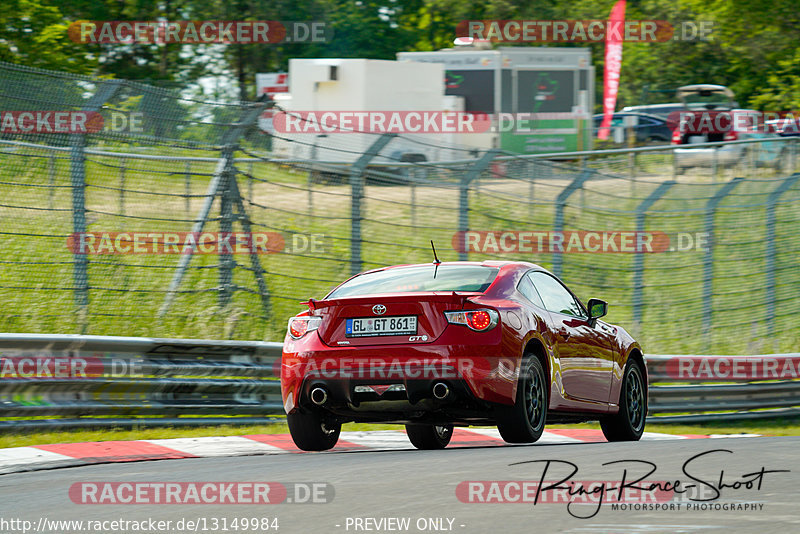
pixel 408 400
pixel 470 364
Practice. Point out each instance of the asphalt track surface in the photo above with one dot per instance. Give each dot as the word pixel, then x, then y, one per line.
pixel 420 485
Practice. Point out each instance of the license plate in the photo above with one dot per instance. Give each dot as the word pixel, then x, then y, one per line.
pixel 381 326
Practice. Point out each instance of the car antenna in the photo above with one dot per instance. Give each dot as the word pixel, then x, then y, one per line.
pixel 436 260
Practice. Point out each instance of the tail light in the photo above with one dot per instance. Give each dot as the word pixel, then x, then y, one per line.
pixel 676 136
pixel 300 326
pixel 478 320
pixel 731 136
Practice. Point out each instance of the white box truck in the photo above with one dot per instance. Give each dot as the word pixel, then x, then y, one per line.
pixel 348 88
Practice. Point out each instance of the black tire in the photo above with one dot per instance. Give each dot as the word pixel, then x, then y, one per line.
pixel 311 433
pixel 654 140
pixel 524 421
pixel 429 437
pixel 628 423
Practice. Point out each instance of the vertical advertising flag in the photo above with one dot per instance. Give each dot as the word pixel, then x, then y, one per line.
pixel 613 66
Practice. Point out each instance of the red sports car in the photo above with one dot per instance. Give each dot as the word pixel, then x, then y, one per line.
pixel 460 343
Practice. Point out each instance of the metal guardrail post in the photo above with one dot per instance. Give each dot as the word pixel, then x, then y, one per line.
pixel 312 175
pixel 197 227
pixel 531 191
pixel 674 164
pixel 78 179
pixel 472 173
pixel 558 219
pixel 187 179
pixel 51 180
pixel 250 180
pixel 638 260
pixel 220 185
pixel 771 249
pixel 255 262
pixel 714 165
pixel 226 228
pixel 708 262
pixel 415 176
pixel 356 194
pixel 81 260
pixel 122 186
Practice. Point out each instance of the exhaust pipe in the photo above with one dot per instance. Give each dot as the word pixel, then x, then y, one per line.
pixel 441 390
pixel 319 396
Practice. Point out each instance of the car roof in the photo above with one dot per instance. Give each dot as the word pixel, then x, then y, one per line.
pixel 688 89
pixel 632 113
pixel 486 263
pixel 652 106
pixel 784 120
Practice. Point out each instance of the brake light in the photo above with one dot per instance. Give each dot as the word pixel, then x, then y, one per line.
pixel 300 326
pixel 676 136
pixel 478 320
pixel 731 136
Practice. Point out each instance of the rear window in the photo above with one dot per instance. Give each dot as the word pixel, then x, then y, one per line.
pixel 707 100
pixel 419 278
pixel 662 111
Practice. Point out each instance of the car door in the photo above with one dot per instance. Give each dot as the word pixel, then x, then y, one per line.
pixel 585 352
pixel 650 128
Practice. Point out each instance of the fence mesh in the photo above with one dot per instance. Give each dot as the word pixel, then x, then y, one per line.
pixel 723 277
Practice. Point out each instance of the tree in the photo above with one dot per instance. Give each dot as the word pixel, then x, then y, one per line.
pixel 33 33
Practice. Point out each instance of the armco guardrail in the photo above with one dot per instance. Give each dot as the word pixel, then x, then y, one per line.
pixel 73 381
pixel 700 388
pixel 102 381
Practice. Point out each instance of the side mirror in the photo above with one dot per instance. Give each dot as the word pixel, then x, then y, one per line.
pixel 597 308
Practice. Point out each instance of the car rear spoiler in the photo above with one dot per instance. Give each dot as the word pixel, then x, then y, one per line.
pixel 457 298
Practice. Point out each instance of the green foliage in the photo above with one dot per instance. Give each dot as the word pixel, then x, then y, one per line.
pixel 34 33
pixel 752 47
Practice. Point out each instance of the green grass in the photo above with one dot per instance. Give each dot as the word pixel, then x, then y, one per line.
pixel 36 268
pixel 769 427
pixel 127 290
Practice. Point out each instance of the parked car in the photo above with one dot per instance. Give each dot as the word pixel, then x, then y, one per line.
pixel 394 175
pixel 659 110
pixel 440 345
pixel 662 110
pixel 646 128
pixel 783 127
pixel 709 116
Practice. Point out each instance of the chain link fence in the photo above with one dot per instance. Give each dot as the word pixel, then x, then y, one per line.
pixel 148 228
